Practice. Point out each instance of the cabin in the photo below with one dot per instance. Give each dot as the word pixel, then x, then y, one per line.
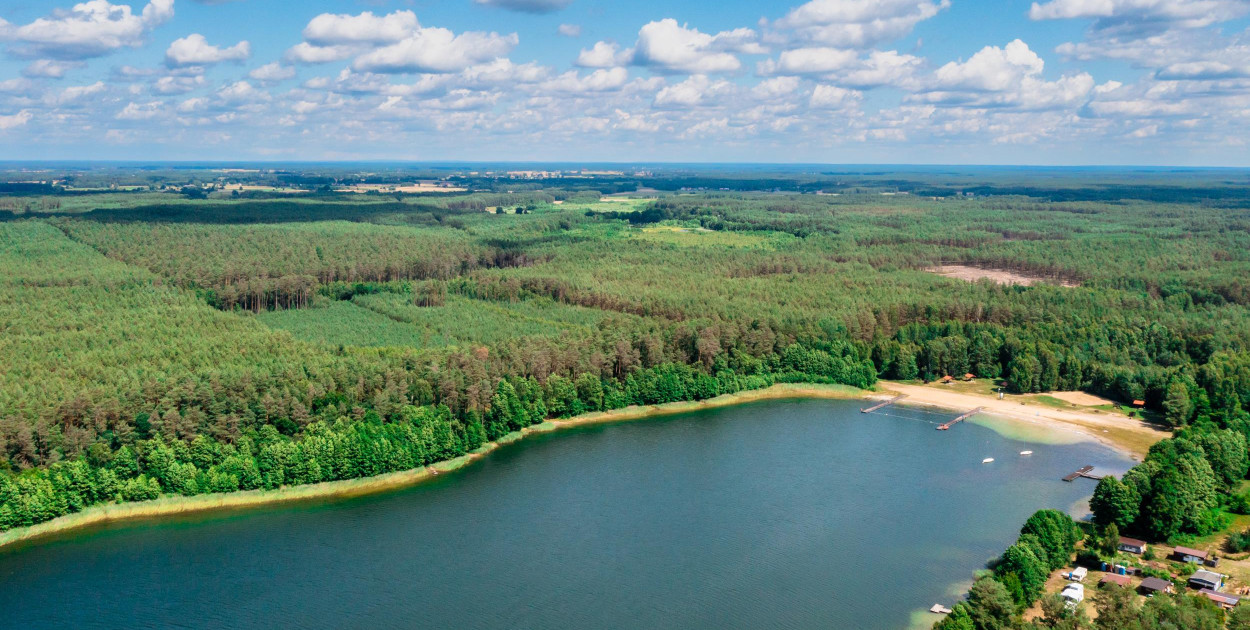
pixel 1223 600
pixel 1152 585
pixel 1115 578
pixel 1132 545
pixel 1185 554
pixel 1206 579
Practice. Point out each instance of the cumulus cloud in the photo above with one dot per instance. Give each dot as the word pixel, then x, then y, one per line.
pixel 833 97
pixel 569 30
pixel 813 60
pixel 1004 77
pixel 89 29
pixel 176 84
pixel 50 68
pixel 194 50
pixel 696 90
pixel 329 29
pixel 670 47
pixel 603 55
pixel 140 111
pixel 1142 14
pixel 272 73
pixel 601 80
pixel 527 6
pixel 853 23
pixel 436 50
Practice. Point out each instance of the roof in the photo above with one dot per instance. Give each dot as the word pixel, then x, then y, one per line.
pixel 1155 584
pixel 1186 551
pixel 970 375
pixel 1132 542
pixel 1220 598
pixel 1210 577
pixel 1116 578
pixel 1138 403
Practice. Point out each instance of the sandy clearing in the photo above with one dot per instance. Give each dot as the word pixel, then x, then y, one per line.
pixel 1000 276
pixel 1080 398
pixel 1114 429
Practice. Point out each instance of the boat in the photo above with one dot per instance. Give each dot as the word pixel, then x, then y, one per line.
pixel 1026 452
pixel 987 460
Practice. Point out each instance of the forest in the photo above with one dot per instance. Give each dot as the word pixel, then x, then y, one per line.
pixel 156 343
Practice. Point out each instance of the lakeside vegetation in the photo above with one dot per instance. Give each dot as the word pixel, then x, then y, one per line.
pixel 157 344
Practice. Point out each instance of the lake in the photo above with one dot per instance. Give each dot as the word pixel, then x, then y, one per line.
pixel 778 514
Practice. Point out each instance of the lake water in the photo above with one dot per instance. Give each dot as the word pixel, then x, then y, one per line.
pixel 780 514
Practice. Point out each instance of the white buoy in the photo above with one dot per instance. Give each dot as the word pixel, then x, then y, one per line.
pixel 1026 452
pixel 987 460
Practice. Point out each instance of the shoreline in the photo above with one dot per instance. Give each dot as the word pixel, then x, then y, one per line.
pixel 349 488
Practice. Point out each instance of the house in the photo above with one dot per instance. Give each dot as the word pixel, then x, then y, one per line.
pixel 1185 554
pixel 1152 585
pixel 1132 545
pixel 1115 578
pixel 1078 574
pixel 1073 594
pixel 1223 600
pixel 1206 579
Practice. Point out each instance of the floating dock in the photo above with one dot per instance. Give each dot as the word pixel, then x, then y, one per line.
pixel 883 404
pixel 943 427
pixel 1084 471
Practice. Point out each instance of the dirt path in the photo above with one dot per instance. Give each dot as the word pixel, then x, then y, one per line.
pixel 1114 429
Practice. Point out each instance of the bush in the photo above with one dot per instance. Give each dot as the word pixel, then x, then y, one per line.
pixel 1238 542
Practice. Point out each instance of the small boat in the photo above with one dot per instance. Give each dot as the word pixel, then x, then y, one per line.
pixel 987 460
pixel 1026 452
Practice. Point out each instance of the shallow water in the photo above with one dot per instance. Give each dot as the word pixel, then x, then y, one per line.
pixel 778 514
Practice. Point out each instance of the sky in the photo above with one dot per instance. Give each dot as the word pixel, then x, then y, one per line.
pixel 1064 82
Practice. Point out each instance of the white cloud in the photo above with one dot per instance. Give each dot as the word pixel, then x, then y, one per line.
pixel 49 68
pixel 1004 77
pixel 272 72
pixel 329 29
pixel 1136 13
pixel 569 30
pixel 194 50
pixel 775 87
pixel 854 23
pixel 603 55
pixel 15 120
pixel 527 6
pixel 140 111
pixel 601 80
pixel 304 52
pixel 882 68
pixel 178 84
pixel 814 60
pixel 992 68
pixel 693 91
pixel 89 29
pixel 436 50
pixel 833 97
pixel 670 47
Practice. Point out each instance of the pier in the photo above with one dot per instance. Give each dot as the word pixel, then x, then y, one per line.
pixel 943 427
pixel 1083 471
pixel 883 404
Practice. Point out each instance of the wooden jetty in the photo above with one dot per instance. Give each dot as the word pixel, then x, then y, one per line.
pixel 1084 471
pixel 883 404
pixel 943 427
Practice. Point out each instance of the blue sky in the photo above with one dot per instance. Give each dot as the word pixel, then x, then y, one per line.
pixel 830 81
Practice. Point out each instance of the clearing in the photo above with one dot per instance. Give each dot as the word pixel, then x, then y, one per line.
pixel 999 276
